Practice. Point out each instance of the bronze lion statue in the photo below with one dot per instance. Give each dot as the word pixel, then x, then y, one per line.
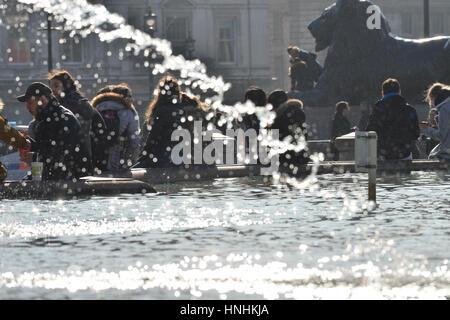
pixel 360 59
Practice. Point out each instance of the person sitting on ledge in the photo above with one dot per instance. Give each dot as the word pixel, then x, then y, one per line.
pixel 305 70
pixel 120 148
pixel 340 126
pixel 65 90
pixel 58 138
pixel 171 109
pixel 259 99
pixel 290 120
pixel 395 122
pixel 300 79
pixel 439 96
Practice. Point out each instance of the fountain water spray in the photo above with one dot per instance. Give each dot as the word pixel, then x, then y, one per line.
pixel 83 18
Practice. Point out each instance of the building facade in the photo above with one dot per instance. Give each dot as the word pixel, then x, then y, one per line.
pixel 230 37
pixel 245 41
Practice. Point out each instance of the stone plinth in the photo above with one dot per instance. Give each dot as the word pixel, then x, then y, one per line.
pixel 346 147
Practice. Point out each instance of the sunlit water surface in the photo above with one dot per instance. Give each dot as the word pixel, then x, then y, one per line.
pixel 233 239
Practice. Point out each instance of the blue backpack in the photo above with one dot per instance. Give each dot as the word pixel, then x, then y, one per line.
pixel 112 132
pixel 105 130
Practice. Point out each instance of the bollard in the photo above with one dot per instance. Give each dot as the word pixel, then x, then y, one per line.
pixel 372 165
pixel 366 158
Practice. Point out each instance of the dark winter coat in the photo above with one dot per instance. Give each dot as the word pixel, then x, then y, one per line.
pixel 340 126
pixel 397 126
pixel 158 132
pixel 303 79
pixel 84 112
pixel 315 69
pixel 250 121
pixel 59 144
pixel 301 76
pixel 291 121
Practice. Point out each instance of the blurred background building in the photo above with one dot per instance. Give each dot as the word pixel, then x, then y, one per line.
pixel 245 41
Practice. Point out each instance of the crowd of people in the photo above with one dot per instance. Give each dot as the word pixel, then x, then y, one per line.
pixel 74 137
pixel 395 121
pixel 397 125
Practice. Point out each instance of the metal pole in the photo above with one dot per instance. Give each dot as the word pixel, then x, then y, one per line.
pixel 372 165
pixel 373 185
pixel 426 18
pixel 49 37
pixel 366 159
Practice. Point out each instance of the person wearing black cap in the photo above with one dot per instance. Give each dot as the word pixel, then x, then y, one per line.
pixel 57 141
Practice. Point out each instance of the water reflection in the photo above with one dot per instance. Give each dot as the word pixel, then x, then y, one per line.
pixel 243 274
pixel 241 239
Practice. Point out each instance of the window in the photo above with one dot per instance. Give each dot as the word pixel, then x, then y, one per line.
pixel 71 48
pixel 226 51
pixel 177 28
pixel 18 43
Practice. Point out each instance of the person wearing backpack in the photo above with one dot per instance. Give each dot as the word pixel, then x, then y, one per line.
pixel 65 89
pixel 119 146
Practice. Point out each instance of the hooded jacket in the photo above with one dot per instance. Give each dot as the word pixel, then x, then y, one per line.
pixel 90 120
pixel 84 112
pixel 397 126
pixel 59 144
pixel 157 150
pixel 124 153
